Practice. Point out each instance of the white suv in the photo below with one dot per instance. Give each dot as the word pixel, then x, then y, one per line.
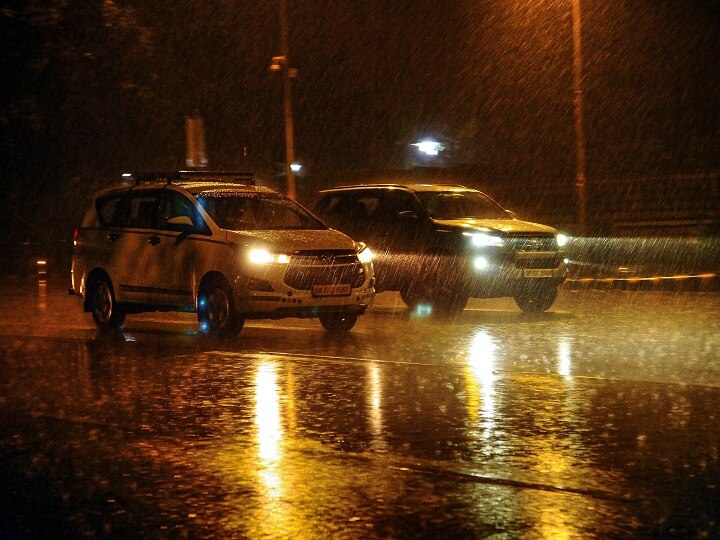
pixel 216 244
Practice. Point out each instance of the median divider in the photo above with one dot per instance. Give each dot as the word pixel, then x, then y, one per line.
pixel 705 282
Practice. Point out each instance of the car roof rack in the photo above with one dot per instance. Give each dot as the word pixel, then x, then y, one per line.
pixel 235 177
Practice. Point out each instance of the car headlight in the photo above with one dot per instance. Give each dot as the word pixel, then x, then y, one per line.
pixel 365 255
pixel 263 256
pixel 561 240
pixel 481 239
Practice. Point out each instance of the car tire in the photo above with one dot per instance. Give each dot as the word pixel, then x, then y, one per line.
pixel 536 300
pixel 444 299
pixel 106 312
pixel 338 322
pixel 216 310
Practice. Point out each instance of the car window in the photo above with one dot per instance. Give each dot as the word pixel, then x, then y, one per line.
pixel 142 210
pixel 391 203
pixel 111 210
pixel 252 211
pixel 174 204
pixel 457 205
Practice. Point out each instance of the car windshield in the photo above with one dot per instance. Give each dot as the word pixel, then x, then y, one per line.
pixel 257 212
pixel 461 204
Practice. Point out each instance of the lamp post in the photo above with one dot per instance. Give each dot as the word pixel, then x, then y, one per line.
pixel 282 63
pixel 578 112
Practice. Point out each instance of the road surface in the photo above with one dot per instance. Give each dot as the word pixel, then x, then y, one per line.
pixel 596 419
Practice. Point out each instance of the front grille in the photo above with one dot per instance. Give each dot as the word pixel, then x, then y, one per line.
pixel 306 270
pixel 532 243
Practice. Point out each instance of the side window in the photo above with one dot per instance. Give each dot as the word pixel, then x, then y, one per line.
pixel 174 204
pixel 111 210
pixel 142 210
pixel 366 206
pixel 351 211
pixel 394 202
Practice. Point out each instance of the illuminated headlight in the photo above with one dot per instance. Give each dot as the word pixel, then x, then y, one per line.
pixel 364 255
pixel 480 263
pixel 479 239
pixel 561 240
pixel 263 256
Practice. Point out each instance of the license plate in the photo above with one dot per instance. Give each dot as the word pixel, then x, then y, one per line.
pixel 331 290
pixel 537 273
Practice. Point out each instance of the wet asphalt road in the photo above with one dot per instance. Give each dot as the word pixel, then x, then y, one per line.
pixel 597 419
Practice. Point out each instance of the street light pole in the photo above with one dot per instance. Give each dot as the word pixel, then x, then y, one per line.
pixel 287 100
pixel 578 110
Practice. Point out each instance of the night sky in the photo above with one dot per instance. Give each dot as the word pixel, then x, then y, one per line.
pixel 91 89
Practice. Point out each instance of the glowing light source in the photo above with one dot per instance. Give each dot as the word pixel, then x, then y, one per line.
pixel 263 256
pixel 481 263
pixel 562 239
pixel 365 256
pixel 482 239
pixel 295 167
pixel 429 147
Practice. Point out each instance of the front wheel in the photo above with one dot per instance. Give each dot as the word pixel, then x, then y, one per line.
pixel 106 312
pixel 536 300
pixel 432 291
pixel 338 322
pixel 216 310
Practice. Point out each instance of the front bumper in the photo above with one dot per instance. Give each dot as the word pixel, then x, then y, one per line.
pixel 264 293
pixel 507 278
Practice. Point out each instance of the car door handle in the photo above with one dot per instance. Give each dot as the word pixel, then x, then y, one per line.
pixel 113 236
pixel 154 240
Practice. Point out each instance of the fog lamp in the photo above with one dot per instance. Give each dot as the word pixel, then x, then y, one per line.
pixel 480 263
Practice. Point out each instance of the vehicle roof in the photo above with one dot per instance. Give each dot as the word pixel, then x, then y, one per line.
pixel 401 185
pixel 194 187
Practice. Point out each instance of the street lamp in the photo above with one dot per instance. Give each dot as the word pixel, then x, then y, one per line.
pixel 282 64
pixel 578 111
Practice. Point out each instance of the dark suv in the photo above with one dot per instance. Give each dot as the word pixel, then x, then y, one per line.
pixel 439 245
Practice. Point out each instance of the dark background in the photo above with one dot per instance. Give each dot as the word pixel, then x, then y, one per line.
pixel 92 88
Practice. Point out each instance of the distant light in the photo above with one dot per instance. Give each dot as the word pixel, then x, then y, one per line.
pixel 41 262
pixel 429 147
pixel 566 261
pixel 127 175
pixel 295 167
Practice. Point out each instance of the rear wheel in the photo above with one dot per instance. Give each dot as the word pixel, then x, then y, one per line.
pixel 216 310
pixel 338 322
pixel 536 299
pixel 106 312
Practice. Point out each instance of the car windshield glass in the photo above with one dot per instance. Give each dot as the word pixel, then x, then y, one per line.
pixel 257 212
pixel 461 204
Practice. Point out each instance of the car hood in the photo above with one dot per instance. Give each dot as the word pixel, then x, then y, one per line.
pixel 504 226
pixel 288 241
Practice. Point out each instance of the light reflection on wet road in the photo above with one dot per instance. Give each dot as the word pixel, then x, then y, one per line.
pixel 597 419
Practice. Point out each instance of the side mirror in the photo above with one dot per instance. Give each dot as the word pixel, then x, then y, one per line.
pixel 181 223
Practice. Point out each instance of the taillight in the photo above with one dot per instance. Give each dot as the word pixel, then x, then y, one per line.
pixel 75 236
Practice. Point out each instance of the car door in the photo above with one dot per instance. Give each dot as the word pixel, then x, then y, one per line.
pixel 105 246
pixel 181 232
pixel 136 253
